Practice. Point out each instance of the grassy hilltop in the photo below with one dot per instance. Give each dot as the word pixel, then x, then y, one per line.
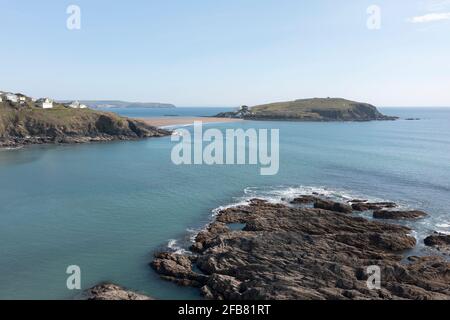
pixel 317 109
pixel 22 124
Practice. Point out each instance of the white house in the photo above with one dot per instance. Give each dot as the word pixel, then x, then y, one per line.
pixel 22 99
pixel 45 103
pixel 12 97
pixel 1 98
pixel 77 105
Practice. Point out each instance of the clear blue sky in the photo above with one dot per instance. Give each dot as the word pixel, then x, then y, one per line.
pixel 228 52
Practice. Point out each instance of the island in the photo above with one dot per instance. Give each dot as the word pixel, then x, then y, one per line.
pixel 317 109
pixel 26 121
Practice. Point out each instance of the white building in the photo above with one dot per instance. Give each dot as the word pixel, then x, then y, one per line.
pixel 1 98
pixel 45 103
pixel 22 99
pixel 12 97
pixel 77 105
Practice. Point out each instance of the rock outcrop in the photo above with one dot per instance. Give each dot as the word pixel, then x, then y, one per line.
pixel 294 252
pixel 113 292
pixel 25 124
pixel 399 215
pixel 333 206
pixel 439 241
pixel 362 205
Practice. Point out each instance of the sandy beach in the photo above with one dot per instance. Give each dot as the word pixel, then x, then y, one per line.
pixel 175 121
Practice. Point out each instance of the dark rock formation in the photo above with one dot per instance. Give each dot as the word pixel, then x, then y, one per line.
pixel 439 241
pixel 305 200
pixel 178 268
pixel 362 205
pixel 323 203
pixel 303 253
pixel 399 215
pixel 112 292
pixel 332 206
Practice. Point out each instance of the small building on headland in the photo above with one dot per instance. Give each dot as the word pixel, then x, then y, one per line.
pixel 21 98
pixel 45 103
pixel 12 97
pixel 243 112
pixel 77 105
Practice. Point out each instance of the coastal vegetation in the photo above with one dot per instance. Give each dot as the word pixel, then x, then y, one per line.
pixel 27 123
pixel 317 109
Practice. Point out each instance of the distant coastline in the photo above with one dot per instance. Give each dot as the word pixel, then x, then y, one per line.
pixel 114 104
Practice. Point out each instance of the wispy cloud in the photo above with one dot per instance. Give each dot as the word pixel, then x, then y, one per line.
pixel 430 17
pixel 437 5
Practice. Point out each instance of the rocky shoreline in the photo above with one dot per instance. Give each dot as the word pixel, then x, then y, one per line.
pixel 23 124
pixel 133 130
pixel 111 292
pixel 313 248
pixel 19 142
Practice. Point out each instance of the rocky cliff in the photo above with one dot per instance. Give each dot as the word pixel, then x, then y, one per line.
pixel 24 124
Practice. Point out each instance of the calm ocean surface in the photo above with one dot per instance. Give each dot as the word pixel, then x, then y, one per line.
pixel 108 207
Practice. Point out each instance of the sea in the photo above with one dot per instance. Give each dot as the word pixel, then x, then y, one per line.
pixel 108 207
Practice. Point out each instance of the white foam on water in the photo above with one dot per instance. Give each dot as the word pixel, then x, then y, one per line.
pixel 443 227
pixel 11 148
pixel 285 194
pixel 415 235
pixel 193 233
pixel 239 203
pixel 173 246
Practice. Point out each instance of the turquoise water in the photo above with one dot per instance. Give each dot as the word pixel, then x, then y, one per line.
pixel 158 112
pixel 108 207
